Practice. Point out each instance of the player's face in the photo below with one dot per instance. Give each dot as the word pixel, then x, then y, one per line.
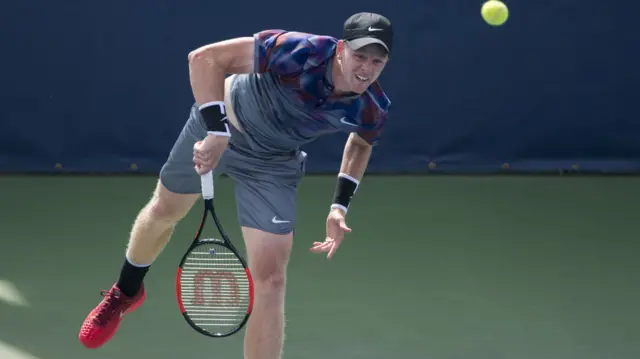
pixel 360 68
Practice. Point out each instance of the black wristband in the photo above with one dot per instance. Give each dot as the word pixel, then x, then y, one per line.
pixel 215 118
pixel 346 187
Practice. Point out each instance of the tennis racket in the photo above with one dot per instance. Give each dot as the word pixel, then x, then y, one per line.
pixel 213 284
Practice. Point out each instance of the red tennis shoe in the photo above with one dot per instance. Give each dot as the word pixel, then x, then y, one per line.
pixel 103 321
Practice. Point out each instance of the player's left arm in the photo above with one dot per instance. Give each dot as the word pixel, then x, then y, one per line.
pixel 355 159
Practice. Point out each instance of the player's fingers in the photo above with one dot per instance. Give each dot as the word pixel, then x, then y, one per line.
pixel 322 246
pixel 321 243
pixel 343 225
pixel 203 156
pixel 202 169
pixel 198 159
pixel 333 250
pixel 317 246
pixel 318 250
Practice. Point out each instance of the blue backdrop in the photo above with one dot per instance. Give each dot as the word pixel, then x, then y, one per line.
pixel 103 86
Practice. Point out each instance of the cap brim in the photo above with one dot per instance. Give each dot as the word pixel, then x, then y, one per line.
pixel 362 42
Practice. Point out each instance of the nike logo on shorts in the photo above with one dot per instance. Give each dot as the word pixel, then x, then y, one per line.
pixel 277 221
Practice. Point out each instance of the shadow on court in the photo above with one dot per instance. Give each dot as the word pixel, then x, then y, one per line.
pixel 436 267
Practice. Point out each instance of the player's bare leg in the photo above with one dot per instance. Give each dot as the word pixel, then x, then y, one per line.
pixel 155 223
pixel 151 232
pixel 268 256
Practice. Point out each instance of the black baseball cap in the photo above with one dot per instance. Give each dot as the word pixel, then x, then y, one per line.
pixel 367 28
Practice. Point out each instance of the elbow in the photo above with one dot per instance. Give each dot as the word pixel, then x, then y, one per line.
pixel 203 55
pixel 208 57
pixel 192 56
pixel 196 56
pixel 360 142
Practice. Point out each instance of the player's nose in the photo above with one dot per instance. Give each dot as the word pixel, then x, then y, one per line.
pixel 367 67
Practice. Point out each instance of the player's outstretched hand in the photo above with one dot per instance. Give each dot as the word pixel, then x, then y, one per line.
pixel 336 228
pixel 206 153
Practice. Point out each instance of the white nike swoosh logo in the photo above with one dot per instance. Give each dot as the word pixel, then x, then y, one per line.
pixel 374 29
pixel 344 120
pixel 277 221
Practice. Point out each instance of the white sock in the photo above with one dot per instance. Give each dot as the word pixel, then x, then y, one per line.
pixel 136 264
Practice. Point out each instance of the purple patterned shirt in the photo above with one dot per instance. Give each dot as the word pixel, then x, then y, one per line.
pixel 287 101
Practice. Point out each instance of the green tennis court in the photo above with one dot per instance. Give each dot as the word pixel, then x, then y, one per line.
pixel 436 267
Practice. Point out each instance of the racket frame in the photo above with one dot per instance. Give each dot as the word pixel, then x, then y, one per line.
pixel 207 179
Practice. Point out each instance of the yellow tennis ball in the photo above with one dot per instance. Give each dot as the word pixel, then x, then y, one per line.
pixel 494 12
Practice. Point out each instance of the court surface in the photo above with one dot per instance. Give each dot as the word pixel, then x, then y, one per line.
pixel 436 267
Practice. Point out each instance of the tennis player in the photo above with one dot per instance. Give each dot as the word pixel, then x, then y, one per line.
pixel 286 89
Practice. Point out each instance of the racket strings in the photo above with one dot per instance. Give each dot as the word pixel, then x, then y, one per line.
pixel 214 288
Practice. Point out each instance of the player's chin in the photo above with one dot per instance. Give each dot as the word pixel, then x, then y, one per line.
pixel 359 86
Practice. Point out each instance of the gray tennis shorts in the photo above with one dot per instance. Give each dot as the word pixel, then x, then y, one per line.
pixel 266 185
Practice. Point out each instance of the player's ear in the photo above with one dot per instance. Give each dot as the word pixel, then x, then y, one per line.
pixel 340 48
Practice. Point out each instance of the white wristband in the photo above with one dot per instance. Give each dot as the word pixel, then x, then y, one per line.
pixel 226 133
pixel 339 206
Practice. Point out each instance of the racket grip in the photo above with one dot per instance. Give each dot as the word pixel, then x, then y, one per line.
pixel 206 181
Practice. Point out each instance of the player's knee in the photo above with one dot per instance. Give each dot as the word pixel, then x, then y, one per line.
pixel 163 211
pixel 268 258
pixel 168 207
pixel 272 284
pixel 269 270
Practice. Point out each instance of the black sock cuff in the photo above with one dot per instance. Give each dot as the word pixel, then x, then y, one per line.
pixel 131 278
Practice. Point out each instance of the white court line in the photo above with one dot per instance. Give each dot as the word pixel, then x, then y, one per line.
pixel 11 295
pixel 10 352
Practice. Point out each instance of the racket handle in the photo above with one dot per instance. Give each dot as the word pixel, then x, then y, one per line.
pixel 206 181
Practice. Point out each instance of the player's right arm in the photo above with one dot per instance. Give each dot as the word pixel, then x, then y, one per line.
pixel 275 51
pixel 208 67
pixel 209 64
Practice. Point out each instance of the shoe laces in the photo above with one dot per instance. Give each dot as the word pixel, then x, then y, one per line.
pixel 113 299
